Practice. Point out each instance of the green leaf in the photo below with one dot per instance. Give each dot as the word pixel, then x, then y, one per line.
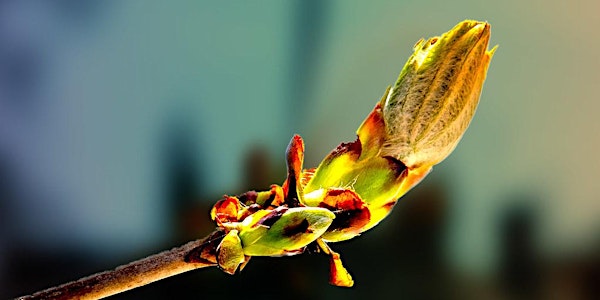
pixel 283 231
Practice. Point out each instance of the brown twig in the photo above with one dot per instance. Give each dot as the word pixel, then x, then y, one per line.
pixel 135 274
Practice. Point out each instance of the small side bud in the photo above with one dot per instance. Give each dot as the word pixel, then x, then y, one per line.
pixel 230 253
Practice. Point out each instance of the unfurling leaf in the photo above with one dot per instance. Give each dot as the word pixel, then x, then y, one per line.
pixel 283 231
pixel 432 103
pixel 230 252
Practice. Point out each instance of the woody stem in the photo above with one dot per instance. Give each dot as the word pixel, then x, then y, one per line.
pixel 129 276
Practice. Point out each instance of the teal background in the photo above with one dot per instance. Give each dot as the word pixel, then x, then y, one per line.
pixel 121 122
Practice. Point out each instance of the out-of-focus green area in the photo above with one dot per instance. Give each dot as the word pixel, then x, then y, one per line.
pixel 121 122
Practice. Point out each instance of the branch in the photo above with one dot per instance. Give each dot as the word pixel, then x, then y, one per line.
pixel 135 274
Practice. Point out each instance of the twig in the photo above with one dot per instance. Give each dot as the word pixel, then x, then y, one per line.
pixel 135 274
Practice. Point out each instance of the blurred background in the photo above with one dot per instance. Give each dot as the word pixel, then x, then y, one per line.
pixel 122 122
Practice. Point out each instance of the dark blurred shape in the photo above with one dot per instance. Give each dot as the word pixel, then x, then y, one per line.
pixel 181 176
pixel 80 11
pixel 5 196
pixel 257 169
pixel 5 191
pixel 30 270
pixel 520 269
pixel 573 277
pixel 21 68
pixel 591 277
pixel 309 25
